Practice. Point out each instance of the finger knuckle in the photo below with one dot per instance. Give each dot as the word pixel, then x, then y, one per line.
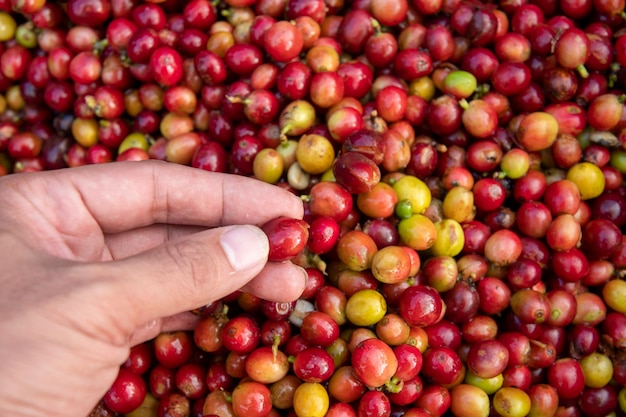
pixel 193 260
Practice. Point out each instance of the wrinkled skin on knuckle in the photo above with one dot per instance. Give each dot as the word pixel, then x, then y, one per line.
pixel 193 260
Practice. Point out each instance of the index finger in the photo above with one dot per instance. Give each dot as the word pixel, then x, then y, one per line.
pixel 126 195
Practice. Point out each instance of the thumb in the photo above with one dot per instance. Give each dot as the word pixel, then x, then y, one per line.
pixel 191 271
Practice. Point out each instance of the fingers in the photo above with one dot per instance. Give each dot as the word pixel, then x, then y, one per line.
pixel 131 242
pixel 191 271
pixel 137 194
pixel 182 321
pixel 278 282
pixel 123 245
pixel 263 285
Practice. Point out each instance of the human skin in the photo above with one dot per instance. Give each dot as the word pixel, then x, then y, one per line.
pixel 99 258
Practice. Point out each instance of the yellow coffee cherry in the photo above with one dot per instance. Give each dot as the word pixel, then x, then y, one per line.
pixel 588 178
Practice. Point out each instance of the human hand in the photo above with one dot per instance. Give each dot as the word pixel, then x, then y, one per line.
pixel 99 258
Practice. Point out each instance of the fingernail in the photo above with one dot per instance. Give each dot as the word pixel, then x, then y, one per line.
pixel 304 274
pixel 245 246
pixel 306 278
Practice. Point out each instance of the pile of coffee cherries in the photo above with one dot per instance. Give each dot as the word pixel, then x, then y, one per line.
pixel 460 163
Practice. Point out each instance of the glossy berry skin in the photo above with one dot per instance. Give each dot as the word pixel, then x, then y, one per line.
pixel 251 399
pixel 87 12
pixel 167 66
pixel 243 59
pixel 409 361
pixel 190 379
pixel 420 305
pixel 173 349
pixel 283 42
pixel 287 237
pixel 313 365
pixel 374 403
pixel 442 365
pixel 330 199
pixel 210 156
pixel 319 329
pixel 323 234
pixel 241 335
pixel 356 172
pixel 374 362
pixel 567 377
pixel 126 393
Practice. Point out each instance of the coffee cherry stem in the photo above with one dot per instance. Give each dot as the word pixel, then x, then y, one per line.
pixel 481 90
pixel 100 46
pixel 612 76
pixel 235 99
pixel 275 351
pixel 394 385
pixel 91 102
pixel 308 259
pixel 582 71
pixel 223 313
pixel 283 132
pixel 377 28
